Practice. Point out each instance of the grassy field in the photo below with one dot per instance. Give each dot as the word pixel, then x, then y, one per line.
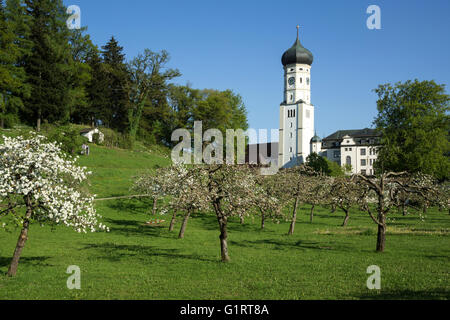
pixel 320 261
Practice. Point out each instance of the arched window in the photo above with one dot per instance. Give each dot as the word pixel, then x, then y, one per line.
pixel 307 81
pixel 348 160
pixel 301 80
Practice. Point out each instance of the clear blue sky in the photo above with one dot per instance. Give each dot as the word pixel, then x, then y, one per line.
pixel 238 45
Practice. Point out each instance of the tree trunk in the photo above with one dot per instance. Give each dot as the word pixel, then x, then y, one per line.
pixel 381 237
pixel 38 124
pixel 263 220
pixel 242 219
pixel 223 238
pixel 311 215
pixel 183 225
pixel 333 208
pixel 294 217
pixel 172 222
pixel 404 210
pixel 155 202
pixel 22 239
pixel 347 216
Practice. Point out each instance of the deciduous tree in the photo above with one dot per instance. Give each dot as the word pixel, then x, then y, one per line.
pixel 39 176
pixel 414 122
pixel 384 190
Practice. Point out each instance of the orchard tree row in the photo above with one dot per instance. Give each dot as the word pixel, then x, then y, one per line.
pixel 41 183
pixel 240 190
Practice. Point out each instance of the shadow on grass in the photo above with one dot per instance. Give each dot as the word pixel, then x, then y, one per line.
pixel 136 228
pixel 435 294
pixel 141 205
pixel 209 222
pixel 34 261
pixel 114 252
pixel 286 245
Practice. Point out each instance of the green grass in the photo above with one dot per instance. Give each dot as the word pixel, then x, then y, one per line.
pixel 113 169
pixel 320 261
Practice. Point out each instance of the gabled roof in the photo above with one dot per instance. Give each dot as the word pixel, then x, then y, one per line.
pixel 358 133
pixel 86 130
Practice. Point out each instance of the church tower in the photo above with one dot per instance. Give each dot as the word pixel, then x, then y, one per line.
pixel 296 111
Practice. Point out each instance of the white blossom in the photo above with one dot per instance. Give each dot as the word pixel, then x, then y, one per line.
pixel 38 170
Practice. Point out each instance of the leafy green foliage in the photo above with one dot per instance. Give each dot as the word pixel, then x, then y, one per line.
pixel 13 48
pixel 69 137
pixel 323 165
pixel 50 74
pixel 413 119
pixel 46 66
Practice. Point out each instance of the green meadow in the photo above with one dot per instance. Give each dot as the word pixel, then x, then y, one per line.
pixel 321 260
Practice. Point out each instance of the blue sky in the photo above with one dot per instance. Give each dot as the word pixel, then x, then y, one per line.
pixel 238 45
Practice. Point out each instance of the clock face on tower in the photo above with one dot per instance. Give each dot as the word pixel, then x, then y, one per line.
pixel 291 81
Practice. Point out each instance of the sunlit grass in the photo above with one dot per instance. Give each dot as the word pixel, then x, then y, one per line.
pixel 135 261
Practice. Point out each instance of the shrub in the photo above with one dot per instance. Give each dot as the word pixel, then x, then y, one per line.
pixel 115 139
pixel 69 137
pixel 96 138
pixel 9 120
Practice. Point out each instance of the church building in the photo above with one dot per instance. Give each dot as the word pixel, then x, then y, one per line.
pixel 296 110
pixel 297 138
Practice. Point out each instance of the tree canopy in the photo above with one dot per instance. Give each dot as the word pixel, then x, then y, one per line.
pixel 414 122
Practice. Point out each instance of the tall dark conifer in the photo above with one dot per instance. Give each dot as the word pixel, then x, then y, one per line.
pixel 118 79
pixel 12 52
pixel 48 67
pixel 97 91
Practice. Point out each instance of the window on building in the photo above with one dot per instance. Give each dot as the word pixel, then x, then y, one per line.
pixel 291 134
pixel 336 154
pixel 363 172
pixel 294 113
pixel 348 141
pixel 290 149
pixel 307 81
pixel 371 161
pixel 301 80
pixel 371 172
pixel 291 124
pixel 346 149
pixel 363 151
pixel 363 162
pixel 348 160
pixel 349 149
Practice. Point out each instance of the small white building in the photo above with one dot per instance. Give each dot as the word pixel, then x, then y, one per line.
pixel 89 134
pixel 358 148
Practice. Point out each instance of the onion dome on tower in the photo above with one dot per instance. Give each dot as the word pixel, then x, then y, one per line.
pixel 297 54
pixel 316 138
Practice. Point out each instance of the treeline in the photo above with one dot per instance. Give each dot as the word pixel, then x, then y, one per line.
pixel 51 74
